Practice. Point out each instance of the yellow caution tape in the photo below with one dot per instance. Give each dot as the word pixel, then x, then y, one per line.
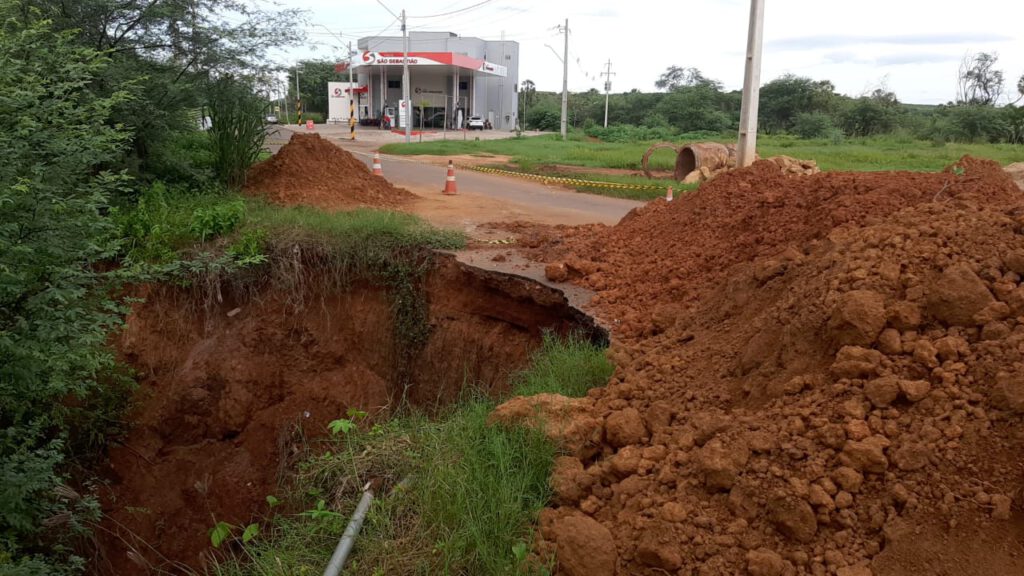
pixel 561 180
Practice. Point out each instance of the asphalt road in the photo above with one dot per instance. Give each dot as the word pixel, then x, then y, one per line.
pixel 530 200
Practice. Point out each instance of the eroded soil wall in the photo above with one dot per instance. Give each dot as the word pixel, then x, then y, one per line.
pixel 225 387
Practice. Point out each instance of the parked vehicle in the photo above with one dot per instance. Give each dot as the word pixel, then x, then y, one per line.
pixel 271 119
pixel 475 123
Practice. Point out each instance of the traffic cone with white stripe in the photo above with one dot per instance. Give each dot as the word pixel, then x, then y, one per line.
pixel 449 183
pixel 668 194
pixel 376 164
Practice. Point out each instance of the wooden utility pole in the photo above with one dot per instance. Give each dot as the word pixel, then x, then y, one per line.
pixel 747 148
pixel 607 89
pixel 565 82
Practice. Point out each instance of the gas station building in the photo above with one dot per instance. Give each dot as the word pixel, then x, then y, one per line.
pixel 451 78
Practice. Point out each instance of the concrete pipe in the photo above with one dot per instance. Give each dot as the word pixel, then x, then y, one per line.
pixel 647 158
pixel 712 155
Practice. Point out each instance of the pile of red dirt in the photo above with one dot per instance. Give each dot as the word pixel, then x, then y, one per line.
pixel 814 375
pixel 311 171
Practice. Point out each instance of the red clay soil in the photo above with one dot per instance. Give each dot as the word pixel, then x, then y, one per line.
pixel 311 171
pixel 229 390
pixel 815 375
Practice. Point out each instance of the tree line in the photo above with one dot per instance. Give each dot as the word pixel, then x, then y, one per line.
pixel 808 108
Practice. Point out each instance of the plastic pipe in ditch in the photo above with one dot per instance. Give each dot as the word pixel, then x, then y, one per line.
pixel 348 538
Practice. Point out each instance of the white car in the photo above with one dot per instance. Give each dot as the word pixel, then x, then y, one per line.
pixel 475 123
pixel 271 118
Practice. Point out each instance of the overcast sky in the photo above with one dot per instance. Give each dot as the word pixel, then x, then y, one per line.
pixel 911 46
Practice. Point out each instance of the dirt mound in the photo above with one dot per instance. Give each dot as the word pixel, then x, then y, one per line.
pixel 805 367
pixel 229 392
pixel 666 253
pixel 311 171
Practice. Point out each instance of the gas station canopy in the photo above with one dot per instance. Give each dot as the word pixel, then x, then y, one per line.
pixel 430 59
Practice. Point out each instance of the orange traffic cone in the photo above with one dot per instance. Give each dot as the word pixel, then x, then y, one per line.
pixel 449 183
pixel 376 164
pixel 668 194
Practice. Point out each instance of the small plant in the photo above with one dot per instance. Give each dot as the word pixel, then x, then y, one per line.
pixel 272 501
pixel 341 426
pixel 320 512
pixel 248 250
pixel 209 223
pixel 220 532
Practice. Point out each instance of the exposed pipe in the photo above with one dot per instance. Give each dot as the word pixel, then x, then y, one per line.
pixel 348 538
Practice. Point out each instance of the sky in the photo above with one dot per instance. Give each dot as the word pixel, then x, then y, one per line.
pixel 912 47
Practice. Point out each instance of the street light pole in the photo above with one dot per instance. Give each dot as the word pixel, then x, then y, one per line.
pixel 747 147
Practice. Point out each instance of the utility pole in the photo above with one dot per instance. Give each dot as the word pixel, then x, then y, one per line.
pixel 298 96
pixel 351 98
pixel 747 147
pixel 405 83
pixel 565 82
pixel 607 89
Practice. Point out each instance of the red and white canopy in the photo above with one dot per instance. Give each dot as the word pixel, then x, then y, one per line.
pixel 430 59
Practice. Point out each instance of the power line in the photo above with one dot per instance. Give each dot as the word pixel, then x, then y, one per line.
pixel 392 12
pixel 466 9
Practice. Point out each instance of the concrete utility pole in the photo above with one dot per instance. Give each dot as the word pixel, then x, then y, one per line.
pixel 565 82
pixel 607 89
pixel 405 84
pixel 298 97
pixel 351 98
pixel 747 147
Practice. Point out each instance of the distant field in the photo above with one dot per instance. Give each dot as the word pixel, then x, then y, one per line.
pixel 888 153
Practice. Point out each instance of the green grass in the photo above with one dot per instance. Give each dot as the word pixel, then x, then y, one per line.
pixel 474 494
pixel 881 153
pixel 167 224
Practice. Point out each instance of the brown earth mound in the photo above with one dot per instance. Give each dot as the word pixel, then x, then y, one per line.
pixel 815 375
pixel 311 171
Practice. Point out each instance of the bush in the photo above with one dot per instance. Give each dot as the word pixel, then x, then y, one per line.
pixel 57 374
pixel 810 125
pixel 545 119
pixel 237 133
pixel 628 134
pixel 183 157
pixel 209 223
pixel 977 123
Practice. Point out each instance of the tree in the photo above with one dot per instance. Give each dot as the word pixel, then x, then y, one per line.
pixel 676 77
pixel 55 309
pixel 978 81
pixel 784 98
pixel 313 78
pixel 166 51
pixel 527 94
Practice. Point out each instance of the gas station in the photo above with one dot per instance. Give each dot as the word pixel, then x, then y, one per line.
pixel 451 79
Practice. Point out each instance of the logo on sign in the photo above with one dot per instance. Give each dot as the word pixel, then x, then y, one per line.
pixel 337 93
pixel 369 57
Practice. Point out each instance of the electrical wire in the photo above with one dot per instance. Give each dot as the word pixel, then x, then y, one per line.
pixel 397 17
pixel 466 9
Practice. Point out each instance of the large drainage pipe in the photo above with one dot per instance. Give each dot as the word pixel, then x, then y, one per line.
pixel 712 155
